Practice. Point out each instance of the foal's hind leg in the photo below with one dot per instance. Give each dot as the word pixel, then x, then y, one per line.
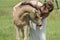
pixel 26 32
pixel 17 32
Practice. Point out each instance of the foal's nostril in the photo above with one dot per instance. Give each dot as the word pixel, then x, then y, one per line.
pixel 39 25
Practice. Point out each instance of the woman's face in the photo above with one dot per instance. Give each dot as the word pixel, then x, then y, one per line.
pixel 44 12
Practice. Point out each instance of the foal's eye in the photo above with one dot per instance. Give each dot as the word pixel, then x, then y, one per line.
pixel 36 17
pixel 42 14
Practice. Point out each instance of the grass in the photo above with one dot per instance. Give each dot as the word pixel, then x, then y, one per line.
pixel 7 31
pixel 53 26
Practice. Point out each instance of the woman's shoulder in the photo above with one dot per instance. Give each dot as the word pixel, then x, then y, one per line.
pixel 36 2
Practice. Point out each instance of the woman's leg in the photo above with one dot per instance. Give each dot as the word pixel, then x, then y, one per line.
pixel 36 33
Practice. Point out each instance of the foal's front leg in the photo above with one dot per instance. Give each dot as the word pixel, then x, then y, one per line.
pixel 26 32
pixel 17 33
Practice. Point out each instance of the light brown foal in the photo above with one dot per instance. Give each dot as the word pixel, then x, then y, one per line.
pixel 22 15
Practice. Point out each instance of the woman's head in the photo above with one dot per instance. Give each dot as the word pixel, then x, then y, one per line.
pixel 46 8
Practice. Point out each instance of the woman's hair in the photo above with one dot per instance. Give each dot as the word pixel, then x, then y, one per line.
pixel 49 4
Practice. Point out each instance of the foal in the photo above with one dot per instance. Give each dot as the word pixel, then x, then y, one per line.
pixel 22 15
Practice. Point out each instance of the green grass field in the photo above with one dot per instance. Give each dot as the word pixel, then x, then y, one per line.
pixel 7 31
